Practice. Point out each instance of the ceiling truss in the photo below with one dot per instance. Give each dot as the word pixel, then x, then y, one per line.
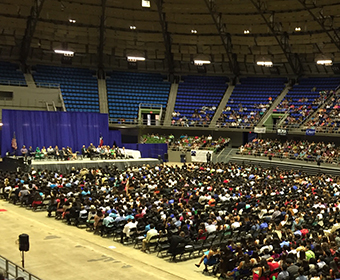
pixel 322 21
pixel 30 28
pixel 282 39
pixel 225 36
pixel 166 36
pixel 101 38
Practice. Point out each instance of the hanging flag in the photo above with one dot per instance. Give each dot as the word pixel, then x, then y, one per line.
pixel 14 142
pixel 101 141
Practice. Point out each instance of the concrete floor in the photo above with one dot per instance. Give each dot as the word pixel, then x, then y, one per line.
pixel 58 251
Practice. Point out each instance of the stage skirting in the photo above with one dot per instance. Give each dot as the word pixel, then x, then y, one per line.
pixel 65 166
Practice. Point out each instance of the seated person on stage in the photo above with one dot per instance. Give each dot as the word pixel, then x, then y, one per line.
pixel 103 152
pixel 24 151
pixel 108 153
pixel 113 152
pixel 98 150
pixel 84 151
pixel 44 152
pixel 30 151
pixel 57 154
pixel 118 153
pixel 64 154
pixel 123 153
pixel 71 154
pixel 91 150
pixel 38 154
pixel 50 151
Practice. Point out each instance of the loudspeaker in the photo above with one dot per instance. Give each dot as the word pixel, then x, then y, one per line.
pixel 270 157
pixel 24 243
pixel 66 60
pixel 166 156
pixel 132 65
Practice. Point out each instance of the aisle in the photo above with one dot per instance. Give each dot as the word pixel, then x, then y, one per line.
pixel 59 251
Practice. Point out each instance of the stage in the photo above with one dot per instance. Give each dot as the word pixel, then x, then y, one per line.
pixel 64 166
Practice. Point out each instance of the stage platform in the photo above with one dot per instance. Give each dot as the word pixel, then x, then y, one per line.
pixel 64 166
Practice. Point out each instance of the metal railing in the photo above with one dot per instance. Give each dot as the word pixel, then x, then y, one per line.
pixel 321 129
pixel 124 121
pixel 292 128
pixel 23 102
pixel 236 125
pixel 14 271
pixel 13 83
pixel 47 85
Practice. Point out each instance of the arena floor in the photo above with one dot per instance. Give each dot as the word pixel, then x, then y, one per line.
pixel 58 251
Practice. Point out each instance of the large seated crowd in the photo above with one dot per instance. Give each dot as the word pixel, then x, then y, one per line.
pixel 185 142
pixel 327 119
pixel 253 221
pixel 200 117
pixel 292 149
pixel 242 117
pixel 300 109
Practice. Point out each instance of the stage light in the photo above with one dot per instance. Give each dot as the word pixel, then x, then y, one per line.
pixel 265 63
pixel 201 62
pixel 325 62
pixel 297 29
pixel 146 4
pixel 133 27
pixel 193 31
pixel 72 20
pixel 135 58
pixel 1 124
pixel 65 53
pixel 246 31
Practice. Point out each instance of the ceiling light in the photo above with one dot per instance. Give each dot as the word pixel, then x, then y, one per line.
pixel 65 53
pixel 194 31
pixel 135 58
pixel 265 63
pixel 146 4
pixel 326 62
pixel 201 62
pixel 297 29
pixel 133 27
pixel 246 31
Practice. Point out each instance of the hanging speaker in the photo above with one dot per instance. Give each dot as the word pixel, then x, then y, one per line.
pixel 24 243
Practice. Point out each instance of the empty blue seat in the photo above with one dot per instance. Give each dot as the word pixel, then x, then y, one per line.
pixel 78 86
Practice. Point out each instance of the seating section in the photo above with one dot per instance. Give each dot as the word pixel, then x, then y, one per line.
pixel 126 91
pixel 327 119
pixel 10 74
pixel 187 143
pixel 78 86
pixel 292 149
pixel 197 100
pixel 249 101
pixel 305 97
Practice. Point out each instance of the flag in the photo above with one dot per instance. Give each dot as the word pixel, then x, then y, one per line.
pixel 14 142
pixel 101 141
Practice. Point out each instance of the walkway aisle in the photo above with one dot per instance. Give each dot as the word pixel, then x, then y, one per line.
pixel 58 251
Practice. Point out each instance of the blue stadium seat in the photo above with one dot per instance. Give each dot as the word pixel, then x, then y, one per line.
pixel 126 90
pixel 78 86
pixel 10 74
pixel 197 92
